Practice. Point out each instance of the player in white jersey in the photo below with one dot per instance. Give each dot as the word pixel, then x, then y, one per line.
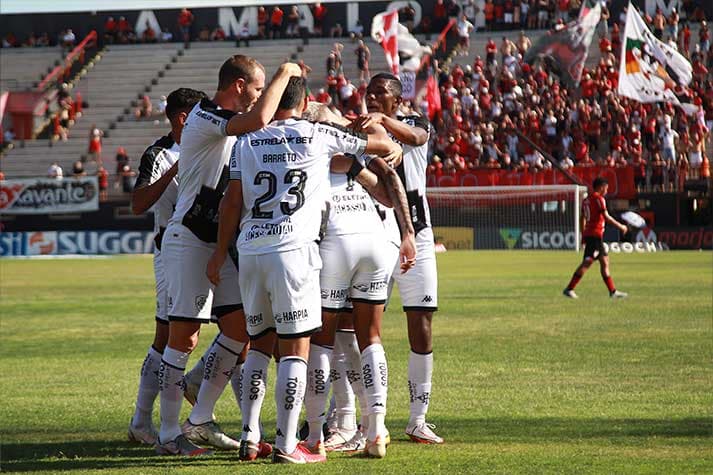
pixel 156 188
pixel 189 241
pixel 418 288
pixel 279 183
pixel 357 265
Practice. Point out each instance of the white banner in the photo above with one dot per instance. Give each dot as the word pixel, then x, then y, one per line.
pixel 650 69
pixel 49 195
pixel 408 84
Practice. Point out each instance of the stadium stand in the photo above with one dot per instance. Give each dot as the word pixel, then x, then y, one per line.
pixel 22 69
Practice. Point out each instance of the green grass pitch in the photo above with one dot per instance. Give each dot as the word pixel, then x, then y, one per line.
pixel 525 380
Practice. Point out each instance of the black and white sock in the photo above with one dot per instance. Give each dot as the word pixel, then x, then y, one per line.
pixel 317 391
pixel 220 362
pixel 148 389
pixel 375 376
pixel 420 371
pixel 171 385
pixel 254 385
pixel 289 394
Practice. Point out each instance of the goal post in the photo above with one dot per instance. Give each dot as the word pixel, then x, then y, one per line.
pixel 507 217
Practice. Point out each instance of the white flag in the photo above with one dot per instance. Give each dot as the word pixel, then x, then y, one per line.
pixel 650 69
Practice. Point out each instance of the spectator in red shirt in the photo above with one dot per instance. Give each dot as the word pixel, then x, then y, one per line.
pixel 491 50
pixel 110 30
pixel 185 20
pixel 103 176
pixel 262 18
pixel 319 12
pixel 123 26
pixel 276 22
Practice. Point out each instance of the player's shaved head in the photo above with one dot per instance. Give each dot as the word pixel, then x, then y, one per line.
pixel 393 83
pixel 182 100
pixel 237 67
pixel 318 112
pixel 294 94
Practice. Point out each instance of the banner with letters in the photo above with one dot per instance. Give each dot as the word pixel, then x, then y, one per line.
pixel 57 243
pixel 49 195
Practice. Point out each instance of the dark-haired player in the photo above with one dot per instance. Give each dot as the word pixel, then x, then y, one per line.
pixel 189 240
pixel 594 218
pixel 279 182
pixel 418 287
pixel 156 188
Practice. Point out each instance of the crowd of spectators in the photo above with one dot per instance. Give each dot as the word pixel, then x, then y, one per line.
pixel 486 101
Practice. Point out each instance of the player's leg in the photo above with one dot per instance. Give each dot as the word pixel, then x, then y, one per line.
pixel 190 300
pixel 220 362
pixel 182 340
pixel 419 293
pixel 335 278
pixel 606 276
pixel 255 370
pixel 260 327
pixel 295 296
pixel 237 377
pixel 344 402
pixel 141 428
pixel 591 252
pixel 367 325
pixel 318 382
pixel 194 377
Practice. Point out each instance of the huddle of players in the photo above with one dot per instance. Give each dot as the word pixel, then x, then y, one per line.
pixel 249 161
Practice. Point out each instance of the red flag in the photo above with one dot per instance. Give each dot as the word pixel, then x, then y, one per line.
pixel 433 96
pixel 385 30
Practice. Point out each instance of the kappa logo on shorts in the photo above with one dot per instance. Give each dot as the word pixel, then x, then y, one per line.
pixel 200 302
pixel 427 299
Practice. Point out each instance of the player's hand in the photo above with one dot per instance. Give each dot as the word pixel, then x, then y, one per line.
pixel 395 156
pixel 292 69
pixel 365 121
pixel 215 263
pixel 624 229
pixel 407 253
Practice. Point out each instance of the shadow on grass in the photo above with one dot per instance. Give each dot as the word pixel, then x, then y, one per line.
pixel 99 454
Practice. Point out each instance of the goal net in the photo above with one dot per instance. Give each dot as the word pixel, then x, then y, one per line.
pixel 507 217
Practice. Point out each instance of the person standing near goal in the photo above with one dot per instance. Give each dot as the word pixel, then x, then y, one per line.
pixel 157 187
pixel 279 182
pixel 189 240
pixel 418 287
pixel 594 218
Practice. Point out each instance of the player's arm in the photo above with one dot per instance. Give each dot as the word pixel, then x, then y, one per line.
pixel 261 114
pixel 404 133
pixel 380 144
pixel 397 195
pixel 365 177
pixel 229 214
pixel 622 227
pixel 145 192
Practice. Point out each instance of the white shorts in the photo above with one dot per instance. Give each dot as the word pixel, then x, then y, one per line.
pixel 356 267
pixel 281 292
pixel 695 159
pixel 161 288
pixel 191 296
pixel 419 286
